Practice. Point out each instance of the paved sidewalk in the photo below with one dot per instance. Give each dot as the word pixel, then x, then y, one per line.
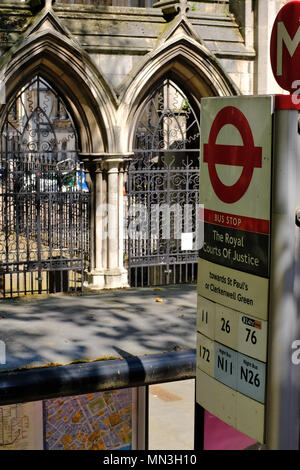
pixel 171 416
pixel 109 324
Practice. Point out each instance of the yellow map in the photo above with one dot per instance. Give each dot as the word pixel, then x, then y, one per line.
pixel 97 421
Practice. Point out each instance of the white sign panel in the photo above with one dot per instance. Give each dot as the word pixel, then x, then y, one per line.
pixel 187 241
pixel 234 262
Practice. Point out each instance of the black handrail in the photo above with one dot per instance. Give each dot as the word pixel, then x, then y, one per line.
pixel 76 379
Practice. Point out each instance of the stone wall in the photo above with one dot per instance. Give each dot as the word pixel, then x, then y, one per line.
pixel 116 37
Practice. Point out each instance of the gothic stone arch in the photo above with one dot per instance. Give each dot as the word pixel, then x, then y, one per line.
pixel 44 228
pixel 162 189
pixel 161 248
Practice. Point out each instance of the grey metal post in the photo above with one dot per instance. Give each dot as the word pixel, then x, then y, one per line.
pixel 140 418
pixel 282 418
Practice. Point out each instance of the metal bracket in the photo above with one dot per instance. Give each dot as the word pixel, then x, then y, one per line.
pixel 297 217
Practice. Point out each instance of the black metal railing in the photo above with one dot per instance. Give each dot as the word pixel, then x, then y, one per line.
pixel 99 376
pixel 163 190
pixel 44 200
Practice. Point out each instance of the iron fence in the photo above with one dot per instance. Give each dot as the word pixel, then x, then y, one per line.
pixel 44 200
pixel 163 190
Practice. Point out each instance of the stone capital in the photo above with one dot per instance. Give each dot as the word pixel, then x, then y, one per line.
pixel 115 161
pixel 111 162
pixel 171 8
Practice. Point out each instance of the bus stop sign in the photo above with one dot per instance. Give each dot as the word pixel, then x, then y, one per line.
pixel 234 262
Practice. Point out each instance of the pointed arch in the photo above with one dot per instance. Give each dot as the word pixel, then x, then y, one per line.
pixel 167 129
pixel 164 135
pixel 65 67
pixel 163 177
pixel 192 66
pixel 44 201
pixel 38 123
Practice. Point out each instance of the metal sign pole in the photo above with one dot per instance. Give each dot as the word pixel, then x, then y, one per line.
pixel 282 417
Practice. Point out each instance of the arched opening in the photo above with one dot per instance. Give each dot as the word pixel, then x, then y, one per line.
pixel 162 189
pixel 44 200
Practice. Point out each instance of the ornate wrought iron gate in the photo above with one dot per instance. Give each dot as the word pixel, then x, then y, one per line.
pixel 162 190
pixel 44 200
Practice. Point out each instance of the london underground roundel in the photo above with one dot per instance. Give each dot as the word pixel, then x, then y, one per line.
pixel 247 156
pixel 285 47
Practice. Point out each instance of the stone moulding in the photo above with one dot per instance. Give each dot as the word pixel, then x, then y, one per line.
pixel 65 65
pixel 194 55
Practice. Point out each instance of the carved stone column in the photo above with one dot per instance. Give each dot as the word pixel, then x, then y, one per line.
pixel 96 277
pixel 115 274
pixel 107 220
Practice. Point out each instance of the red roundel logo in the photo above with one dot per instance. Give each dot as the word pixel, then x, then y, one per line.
pixel 285 47
pixel 247 156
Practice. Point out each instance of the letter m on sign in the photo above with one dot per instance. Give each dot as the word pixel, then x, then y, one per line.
pixel 285 50
pixel 291 44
